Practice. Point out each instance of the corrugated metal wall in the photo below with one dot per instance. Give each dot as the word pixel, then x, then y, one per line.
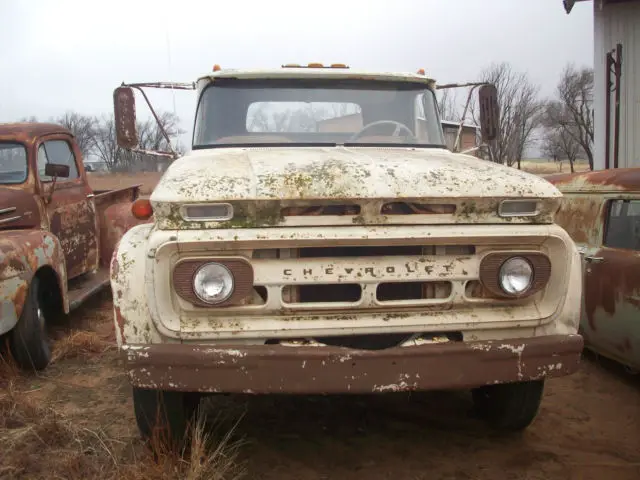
pixel 613 24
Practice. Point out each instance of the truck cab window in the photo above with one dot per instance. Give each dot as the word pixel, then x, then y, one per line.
pixel 58 152
pixel 623 225
pixel 13 163
pixel 298 112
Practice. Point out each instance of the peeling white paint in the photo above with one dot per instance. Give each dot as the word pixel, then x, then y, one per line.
pixel 221 351
pixel 517 349
pixel 480 346
pixel 399 387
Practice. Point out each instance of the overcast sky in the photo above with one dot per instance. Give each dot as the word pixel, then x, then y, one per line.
pixel 70 54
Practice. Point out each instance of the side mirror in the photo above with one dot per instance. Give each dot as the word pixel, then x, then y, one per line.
pixel 124 109
pixel 56 170
pixel 489 112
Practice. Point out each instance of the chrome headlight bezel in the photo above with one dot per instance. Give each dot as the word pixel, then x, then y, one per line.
pixel 510 269
pixel 220 271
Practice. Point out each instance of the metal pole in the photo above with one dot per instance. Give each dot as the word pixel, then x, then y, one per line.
pixel 607 112
pixel 616 135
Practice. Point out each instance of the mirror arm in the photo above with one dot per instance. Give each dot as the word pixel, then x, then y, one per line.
pixel 48 199
pixel 155 115
pixel 464 114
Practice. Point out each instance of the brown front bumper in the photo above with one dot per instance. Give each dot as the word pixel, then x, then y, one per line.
pixel 320 370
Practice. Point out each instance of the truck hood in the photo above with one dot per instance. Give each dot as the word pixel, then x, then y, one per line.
pixel 304 176
pixel 18 209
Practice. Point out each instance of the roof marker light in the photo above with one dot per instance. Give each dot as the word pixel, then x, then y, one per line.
pixel 216 68
pixel 421 71
pixel 315 65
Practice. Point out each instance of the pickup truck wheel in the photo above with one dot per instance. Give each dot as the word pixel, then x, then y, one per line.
pixel 509 406
pixel 28 341
pixel 166 416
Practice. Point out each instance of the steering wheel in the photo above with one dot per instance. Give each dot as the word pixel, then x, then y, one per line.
pixel 396 133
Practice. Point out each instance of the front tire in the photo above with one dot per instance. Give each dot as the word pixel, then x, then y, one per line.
pixel 28 341
pixel 509 406
pixel 166 417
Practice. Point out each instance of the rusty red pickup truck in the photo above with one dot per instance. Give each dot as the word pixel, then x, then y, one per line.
pixel 57 235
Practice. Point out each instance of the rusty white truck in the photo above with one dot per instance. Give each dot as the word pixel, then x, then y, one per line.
pixel 319 238
pixel 57 235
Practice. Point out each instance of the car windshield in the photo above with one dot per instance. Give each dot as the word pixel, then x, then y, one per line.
pixel 13 163
pixel 239 112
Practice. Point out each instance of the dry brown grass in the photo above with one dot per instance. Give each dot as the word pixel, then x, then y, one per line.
pixel 548 168
pixel 39 442
pixel 80 344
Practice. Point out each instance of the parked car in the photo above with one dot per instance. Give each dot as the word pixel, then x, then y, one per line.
pixel 601 212
pixel 57 235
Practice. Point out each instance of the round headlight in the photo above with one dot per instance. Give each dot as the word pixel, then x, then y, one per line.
pixel 213 283
pixel 516 275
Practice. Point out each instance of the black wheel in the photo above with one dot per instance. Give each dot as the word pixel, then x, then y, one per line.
pixel 28 341
pixel 509 406
pixel 166 416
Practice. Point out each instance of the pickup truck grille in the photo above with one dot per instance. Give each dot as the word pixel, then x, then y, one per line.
pixel 375 278
pixel 354 279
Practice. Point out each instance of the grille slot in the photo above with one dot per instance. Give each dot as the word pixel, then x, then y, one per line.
pixel 412 208
pixel 362 251
pixel 330 293
pixel 318 210
pixel 394 291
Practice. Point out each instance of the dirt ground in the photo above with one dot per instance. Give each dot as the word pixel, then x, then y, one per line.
pixel 588 427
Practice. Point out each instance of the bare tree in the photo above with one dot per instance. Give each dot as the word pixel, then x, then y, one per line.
pixel 448 105
pixel 150 137
pixel 520 111
pixel 573 109
pixel 83 128
pixel 559 144
pixel 105 146
pixel 150 134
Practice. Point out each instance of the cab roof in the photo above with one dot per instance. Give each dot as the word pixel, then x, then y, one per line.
pixel 319 72
pixel 29 131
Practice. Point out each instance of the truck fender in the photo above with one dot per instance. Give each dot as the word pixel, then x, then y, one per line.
pixel 23 254
pixel 116 220
pixel 128 285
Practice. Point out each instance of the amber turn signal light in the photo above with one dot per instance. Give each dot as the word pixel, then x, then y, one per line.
pixel 142 209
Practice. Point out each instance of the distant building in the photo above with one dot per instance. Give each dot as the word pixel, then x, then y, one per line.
pixel 469 137
pixel 352 123
pixel 616 22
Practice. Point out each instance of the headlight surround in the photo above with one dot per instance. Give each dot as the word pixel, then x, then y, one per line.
pixel 213 283
pixel 516 276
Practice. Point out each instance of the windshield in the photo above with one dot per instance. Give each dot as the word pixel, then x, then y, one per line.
pixel 234 112
pixel 13 163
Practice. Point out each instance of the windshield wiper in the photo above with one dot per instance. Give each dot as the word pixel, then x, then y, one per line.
pixel 385 144
pixel 265 144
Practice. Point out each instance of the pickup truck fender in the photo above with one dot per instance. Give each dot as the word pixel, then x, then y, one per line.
pixel 116 218
pixel 24 253
pixel 128 271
